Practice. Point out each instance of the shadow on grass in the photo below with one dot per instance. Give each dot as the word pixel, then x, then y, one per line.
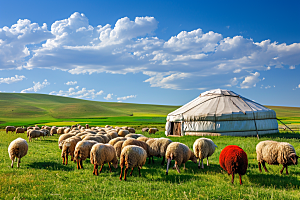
pixel 51 166
pixel 278 181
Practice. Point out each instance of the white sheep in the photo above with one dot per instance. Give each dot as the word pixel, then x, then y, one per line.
pixel 17 149
pixel 180 153
pixel 203 148
pixel 159 148
pixel 132 156
pixel 62 139
pixel 101 154
pixel 82 151
pixel 68 148
pixel 153 130
pixel 275 153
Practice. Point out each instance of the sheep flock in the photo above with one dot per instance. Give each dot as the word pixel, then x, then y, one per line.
pixel 121 146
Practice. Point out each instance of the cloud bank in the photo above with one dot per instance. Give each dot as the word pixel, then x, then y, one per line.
pixel 10 80
pixel 189 60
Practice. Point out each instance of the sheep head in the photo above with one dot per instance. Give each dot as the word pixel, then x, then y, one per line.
pixel 193 157
pixel 294 158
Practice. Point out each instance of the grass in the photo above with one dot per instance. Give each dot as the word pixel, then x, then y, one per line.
pixel 42 176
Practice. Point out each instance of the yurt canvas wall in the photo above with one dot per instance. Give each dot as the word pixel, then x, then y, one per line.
pixel 221 112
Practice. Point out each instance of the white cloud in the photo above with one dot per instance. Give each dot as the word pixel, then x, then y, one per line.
pixel 126 97
pixel 250 81
pixel 36 86
pixel 77 93
pixel 108 97
pixel 233 82
pixel 183 61
pixel 10 80
pixel 296 87
pixel 71 83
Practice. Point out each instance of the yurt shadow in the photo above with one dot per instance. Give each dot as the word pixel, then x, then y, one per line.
pixel 272 180
pixel 50 166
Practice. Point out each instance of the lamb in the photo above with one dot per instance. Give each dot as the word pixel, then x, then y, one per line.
pixel 159 146
pixel 62 139
pixel 10 128
pixel 153 130
pixel 20 130
pixel 123 133
pixel 180 153
pixel 203 148
pixel 132 156
pixel 101 154
pixel 233 159
pixel 82 151
pixel 17 149
pixel 69 148
pixel 275 153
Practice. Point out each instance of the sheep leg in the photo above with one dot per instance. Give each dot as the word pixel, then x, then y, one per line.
pixel 66 159
pixel 131 172
pixel 264 165
pixel 232 179
pixel 81 166
pixel 168 163
pixel 283 169
pixel 199 163
pixel 259 167
pixel 286 170
pixel 207 162
pixel 240 179
pixel 176 166
pixel 63 159
pixel 125 174
pixel 78 164
pixel 72 157
pixel 101 168
pixel 163 160
pixel 202 164
pixel 109 167
pixel 152 159
pixel 139 170
pixel 12 163
pixel 96 170
pixel 18 164
pixel 184 166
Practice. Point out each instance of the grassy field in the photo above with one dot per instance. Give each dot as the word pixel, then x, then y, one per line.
pixel 42 175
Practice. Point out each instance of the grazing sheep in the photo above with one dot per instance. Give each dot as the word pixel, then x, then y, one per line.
pixel 20 130
pixel 87 126
pixel 233 159
pixel 113 134
pixel 67 130
pixel 144 139
pixel 118 147
pixel 68 148
pixel 203 148
pixel 153 130
pixel 62 139
pixel 34 134
pixel 131 130
pixel 82 151
pixel 145 129
pixel 132 156
pixel 101 154
pixel 133 135
pixel 95 138
pixel 160 146
pixel 115 140
pixel 53 131
pixel 142 144
pixel 36 128
pixel 60 130
pixel 17 149
pixel 275 153
pixel 109 137
pixel 105 138
pixel 180 153
pixel 10 128
pixel 123 133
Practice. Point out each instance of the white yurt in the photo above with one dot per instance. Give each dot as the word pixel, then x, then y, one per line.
pixel 221 112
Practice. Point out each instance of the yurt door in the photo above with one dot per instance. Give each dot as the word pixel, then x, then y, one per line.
pixel 177 128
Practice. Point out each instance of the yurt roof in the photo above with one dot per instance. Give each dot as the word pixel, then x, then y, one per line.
pixel 221 105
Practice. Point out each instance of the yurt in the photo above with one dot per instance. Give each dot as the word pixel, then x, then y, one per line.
pixel 221 112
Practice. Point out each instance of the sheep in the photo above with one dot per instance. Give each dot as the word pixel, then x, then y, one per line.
pixel 118 147
pixel 180 153
pixel 133 135
pixel 34 134
pixel 233 159
pixel 131 130
pixel 101 154
pixel 123 133
pixel 160 146
pixel 145 129
pixel 67 130
pixel 62 139
pixel 69 148
pixel 144 145
pixel 115 140
pixel 144 139
pixel 53 131
pixel 95 138
pixel 109 137
pixel 153 130
pixel 275 153
pixel 105 138
pixel 10 128
pixel 17 149
pixel 82 151
pixel 60 130
pixel 87 126
pixel 132 156
pixel 20 130
pixel 113 134
pixel 203 148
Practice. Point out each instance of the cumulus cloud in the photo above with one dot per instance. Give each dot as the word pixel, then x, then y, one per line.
pixel 108 97
pixel 36 86
pixel 250 81
pixel 71 83
pixel 184 61
pixel 10 80
pixel 126 97
pixel 77 93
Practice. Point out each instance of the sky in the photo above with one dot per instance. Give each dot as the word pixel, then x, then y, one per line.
pixel 151 52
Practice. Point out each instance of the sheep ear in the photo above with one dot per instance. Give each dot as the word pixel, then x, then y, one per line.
pixel 293 157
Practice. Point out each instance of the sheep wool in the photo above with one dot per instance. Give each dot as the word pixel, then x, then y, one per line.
pixel 95 138
pixel 135 136
pixel 82 151
pixel 118 147
pixel 203 148
pixel 180 153
pixel 123 133
pixel 233 159
pixel 101 154
pixel 17 149
pixel 69 148
pixel 132 156
pixel 34 134
pixel 10 128
pixel 115 140
pixel 62 139
pixel 152 130
pixel 144 139
pixel 160 146
pixel 275 153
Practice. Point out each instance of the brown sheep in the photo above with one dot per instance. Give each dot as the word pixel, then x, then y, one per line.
pixel 10 128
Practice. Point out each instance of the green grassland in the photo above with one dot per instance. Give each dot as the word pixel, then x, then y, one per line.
pixel 42 176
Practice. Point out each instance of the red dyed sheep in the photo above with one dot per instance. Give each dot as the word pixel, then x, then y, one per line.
pixel 233 159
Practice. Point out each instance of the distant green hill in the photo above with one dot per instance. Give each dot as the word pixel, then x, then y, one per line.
pixel 22 109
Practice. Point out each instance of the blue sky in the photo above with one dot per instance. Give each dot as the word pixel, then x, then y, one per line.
pixel 154 52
